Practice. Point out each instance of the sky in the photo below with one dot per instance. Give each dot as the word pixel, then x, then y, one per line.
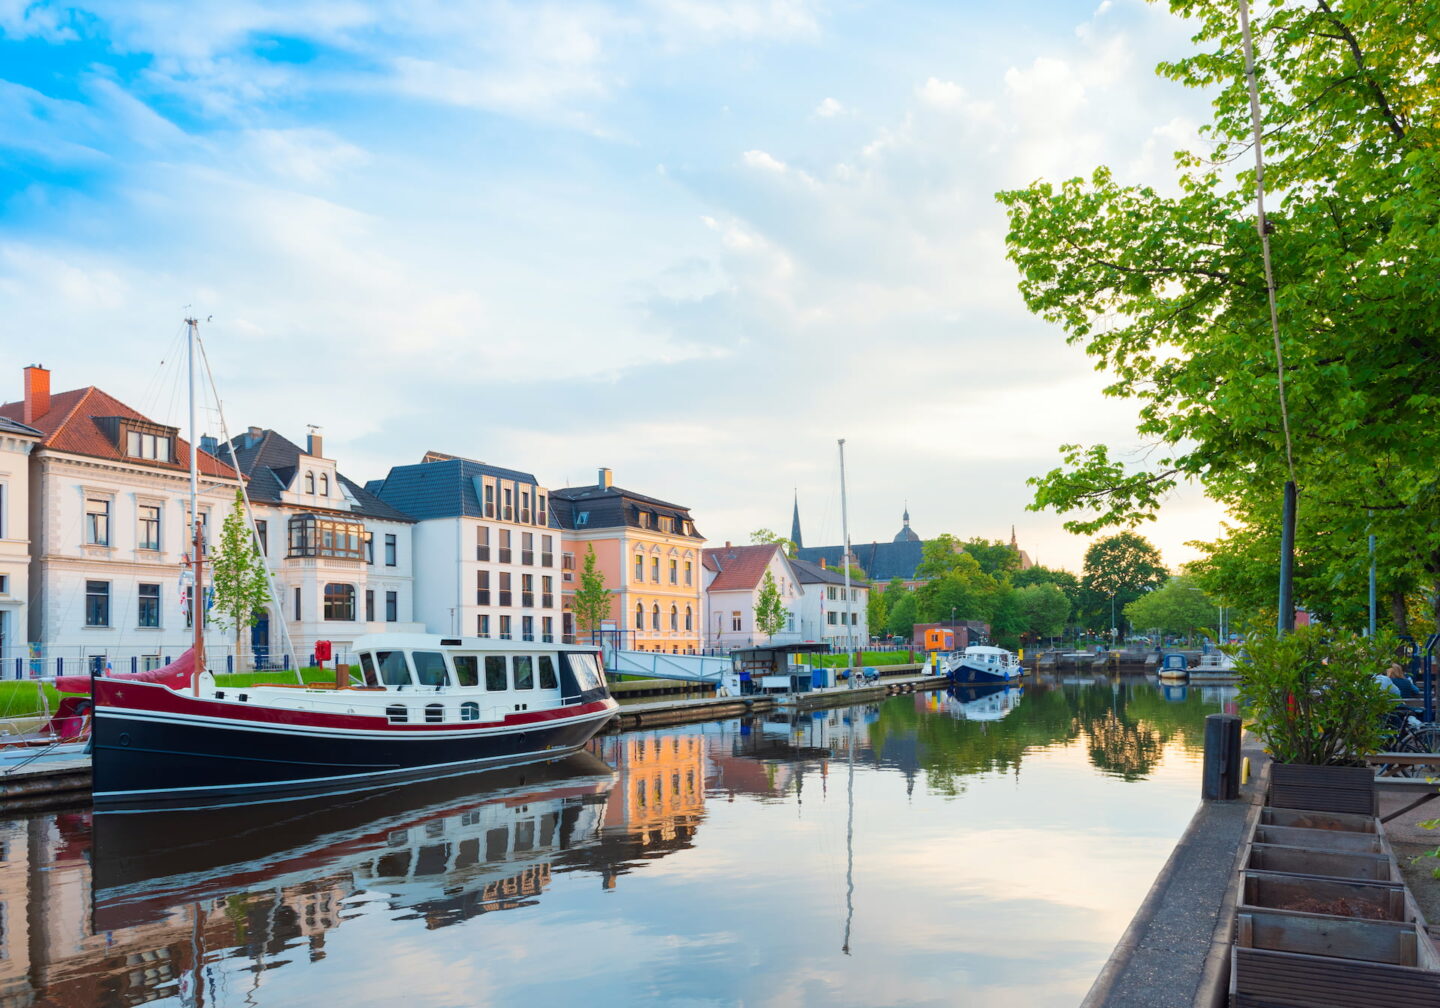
pixel 693 241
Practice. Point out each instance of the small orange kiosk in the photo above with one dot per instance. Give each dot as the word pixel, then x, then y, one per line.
pixel 939 639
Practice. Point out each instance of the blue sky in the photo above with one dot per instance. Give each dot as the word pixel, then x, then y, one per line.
pixel 694 241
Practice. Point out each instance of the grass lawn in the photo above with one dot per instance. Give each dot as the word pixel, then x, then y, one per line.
pixel 867 659
pixel 285 677
pixel 22 699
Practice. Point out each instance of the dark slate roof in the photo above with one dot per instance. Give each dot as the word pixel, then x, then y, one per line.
pixel 881 561
pixel 813 573
pixel 611 507
pixel 270 461
pixel 16 427
pixel 443 488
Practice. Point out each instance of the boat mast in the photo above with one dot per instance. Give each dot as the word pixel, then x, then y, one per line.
pixel 197 595
pixel 845 560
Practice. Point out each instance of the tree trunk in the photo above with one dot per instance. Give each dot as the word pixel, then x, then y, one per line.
pixel 242 659
pixel 1399 615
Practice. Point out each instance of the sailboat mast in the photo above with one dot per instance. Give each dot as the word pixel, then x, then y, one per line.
pixel 197 593
pixel 845 560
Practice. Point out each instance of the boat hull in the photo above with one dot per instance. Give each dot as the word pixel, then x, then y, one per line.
pixel 962 673
pixel 183 749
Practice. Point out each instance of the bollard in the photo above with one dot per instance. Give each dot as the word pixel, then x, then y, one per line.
pixel 1220 780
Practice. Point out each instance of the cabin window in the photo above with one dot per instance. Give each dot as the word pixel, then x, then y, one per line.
pixel 434 713
pixel 367 670
pixel 495 676
pixel 586 671
pixel 469 712
pixel 397 713
pixel 524 672
pixel 467 670
pixel 430 668
pixel 548 679
pixel 393 670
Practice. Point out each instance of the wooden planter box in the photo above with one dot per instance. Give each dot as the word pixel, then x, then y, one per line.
pixel 1264 978
pixel 1322 788
pixel 1303 894
pixel 1320 839
pixel 1393 942
pixel 1330 864
pixel 1306 819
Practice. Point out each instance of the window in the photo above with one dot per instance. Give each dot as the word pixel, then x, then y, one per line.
pixel 548 679
pixel 505 596
pixel 509 513
pixel 527 591
pixel 505 544
pixel 527 548
pixel 309 482
pixel 340 602
pixel 655 616
pixel 482 625
pixel 567 567
pixel 392 607
pixel 854 618
pixel 97 603
pixel 149 610
pixel 674 571
pixel 390 560
pixel 4 584
pixel 689 618
pixel 434 713
pixel 313 536
pixel 430 668
pixel 582 518
pixel 467 672
pixel 397 714
pixel 324 485
pixel 505 628
pixel 674 617
pixel 489 500
pixel 524 672
pixel 527 627
pixel 639 567
pixel 547 592
pixel 541 518
pixel 525 506
pixel 734 621
pixel 297 604
pixel 262 531
pixel 145 445
pixel 393 669
pixel 547 629
pixel 830 617
pixel 667 524
pixel 470 711
pixel 547 550
pixel 369 605
pixel 370 550
pixel 495 674
pixel 689 573
pixel 482 587
pixel 97 521
pixel 639 616
pixel 830 593
pixel 655 569
pixel 482 542
pixel 148 534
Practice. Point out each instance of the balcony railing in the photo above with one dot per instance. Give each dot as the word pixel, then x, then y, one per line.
pixel 547 559
pixel 527 600
pixel 527 558
pixel 482 596
pixel 505 598
pixel 504 552
pixel 482 553
pixel 547 601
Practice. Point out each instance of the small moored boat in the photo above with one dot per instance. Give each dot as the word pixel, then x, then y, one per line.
pixel 425 705
pixel 981 663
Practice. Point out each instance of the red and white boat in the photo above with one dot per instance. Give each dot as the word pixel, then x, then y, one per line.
pixel 424 705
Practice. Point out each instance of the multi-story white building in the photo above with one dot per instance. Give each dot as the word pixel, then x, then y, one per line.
pixel 342 559
pixel 824 614
pixel 16 442
pixel 486 548
pixel 109 525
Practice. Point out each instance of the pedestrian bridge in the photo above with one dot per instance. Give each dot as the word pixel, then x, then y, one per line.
pixel 709 669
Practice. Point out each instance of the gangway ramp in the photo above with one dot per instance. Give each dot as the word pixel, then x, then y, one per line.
pixel 660 665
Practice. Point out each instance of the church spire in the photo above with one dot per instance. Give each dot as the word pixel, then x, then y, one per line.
pixel 1014 543
pixel 795 522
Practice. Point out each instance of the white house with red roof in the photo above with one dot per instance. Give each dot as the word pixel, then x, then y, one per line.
pixel 733 579
pixel 17 440
pixel 108 529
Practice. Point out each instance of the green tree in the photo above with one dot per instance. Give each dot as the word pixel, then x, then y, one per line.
pixel 1119 569
pixel 939 556
pixel 770 611
pixel 995 557
pixel 963 588
pixel 592 600
pixel 765 535
pixel 1164 287
pixel 1045 610
pixel 902 616
pixel 1176 607
pixel 880 602
pixel 237 569
pixel 1068 583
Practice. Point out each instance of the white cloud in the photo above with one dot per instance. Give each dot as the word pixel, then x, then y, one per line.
pixel 763 161
pixel 829 108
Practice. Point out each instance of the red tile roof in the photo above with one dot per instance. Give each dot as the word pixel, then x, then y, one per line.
pixel 70 426
pixel 740 568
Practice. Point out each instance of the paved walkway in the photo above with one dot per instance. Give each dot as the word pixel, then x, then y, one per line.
pixel 1164 959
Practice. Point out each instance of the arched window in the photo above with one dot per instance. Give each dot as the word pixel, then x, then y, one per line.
pixel 674 617
pixel 324 485
pixel 434 713
pixel 309 482
pixel 655 616
pixel 396 713
pixel 689 619
pixel 639 616
pixel 469 712
pixel 340 602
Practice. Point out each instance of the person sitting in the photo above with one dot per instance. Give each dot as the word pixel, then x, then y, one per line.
pixel 1404 686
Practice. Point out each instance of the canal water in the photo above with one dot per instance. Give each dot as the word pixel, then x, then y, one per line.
pixel 929 849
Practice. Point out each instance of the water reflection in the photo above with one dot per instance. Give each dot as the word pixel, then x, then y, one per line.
pixel 263 904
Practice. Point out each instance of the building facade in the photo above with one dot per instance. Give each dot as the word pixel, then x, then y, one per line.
pixel 341 559
pixel 824 613
pixel 650 554
pixel 487 548
pixel 17 440
pixel 734 576
pixel 109 525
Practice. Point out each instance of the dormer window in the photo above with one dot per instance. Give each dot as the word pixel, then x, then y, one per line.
pixel 140 439
pixel 309 482
pixel 324 485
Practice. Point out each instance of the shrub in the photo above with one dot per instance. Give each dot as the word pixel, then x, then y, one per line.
pixel 1313 696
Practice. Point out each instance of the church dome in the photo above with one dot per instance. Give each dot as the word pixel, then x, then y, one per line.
pixel 906 534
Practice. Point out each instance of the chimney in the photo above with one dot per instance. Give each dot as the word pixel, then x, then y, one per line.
pixel 37 393
pixel 253 436
pixel 209 444
pixel 314 443
pixel 604 480
pixel 727 543
pixel 822 563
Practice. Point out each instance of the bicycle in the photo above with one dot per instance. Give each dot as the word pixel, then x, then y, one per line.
pixel 1412 736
